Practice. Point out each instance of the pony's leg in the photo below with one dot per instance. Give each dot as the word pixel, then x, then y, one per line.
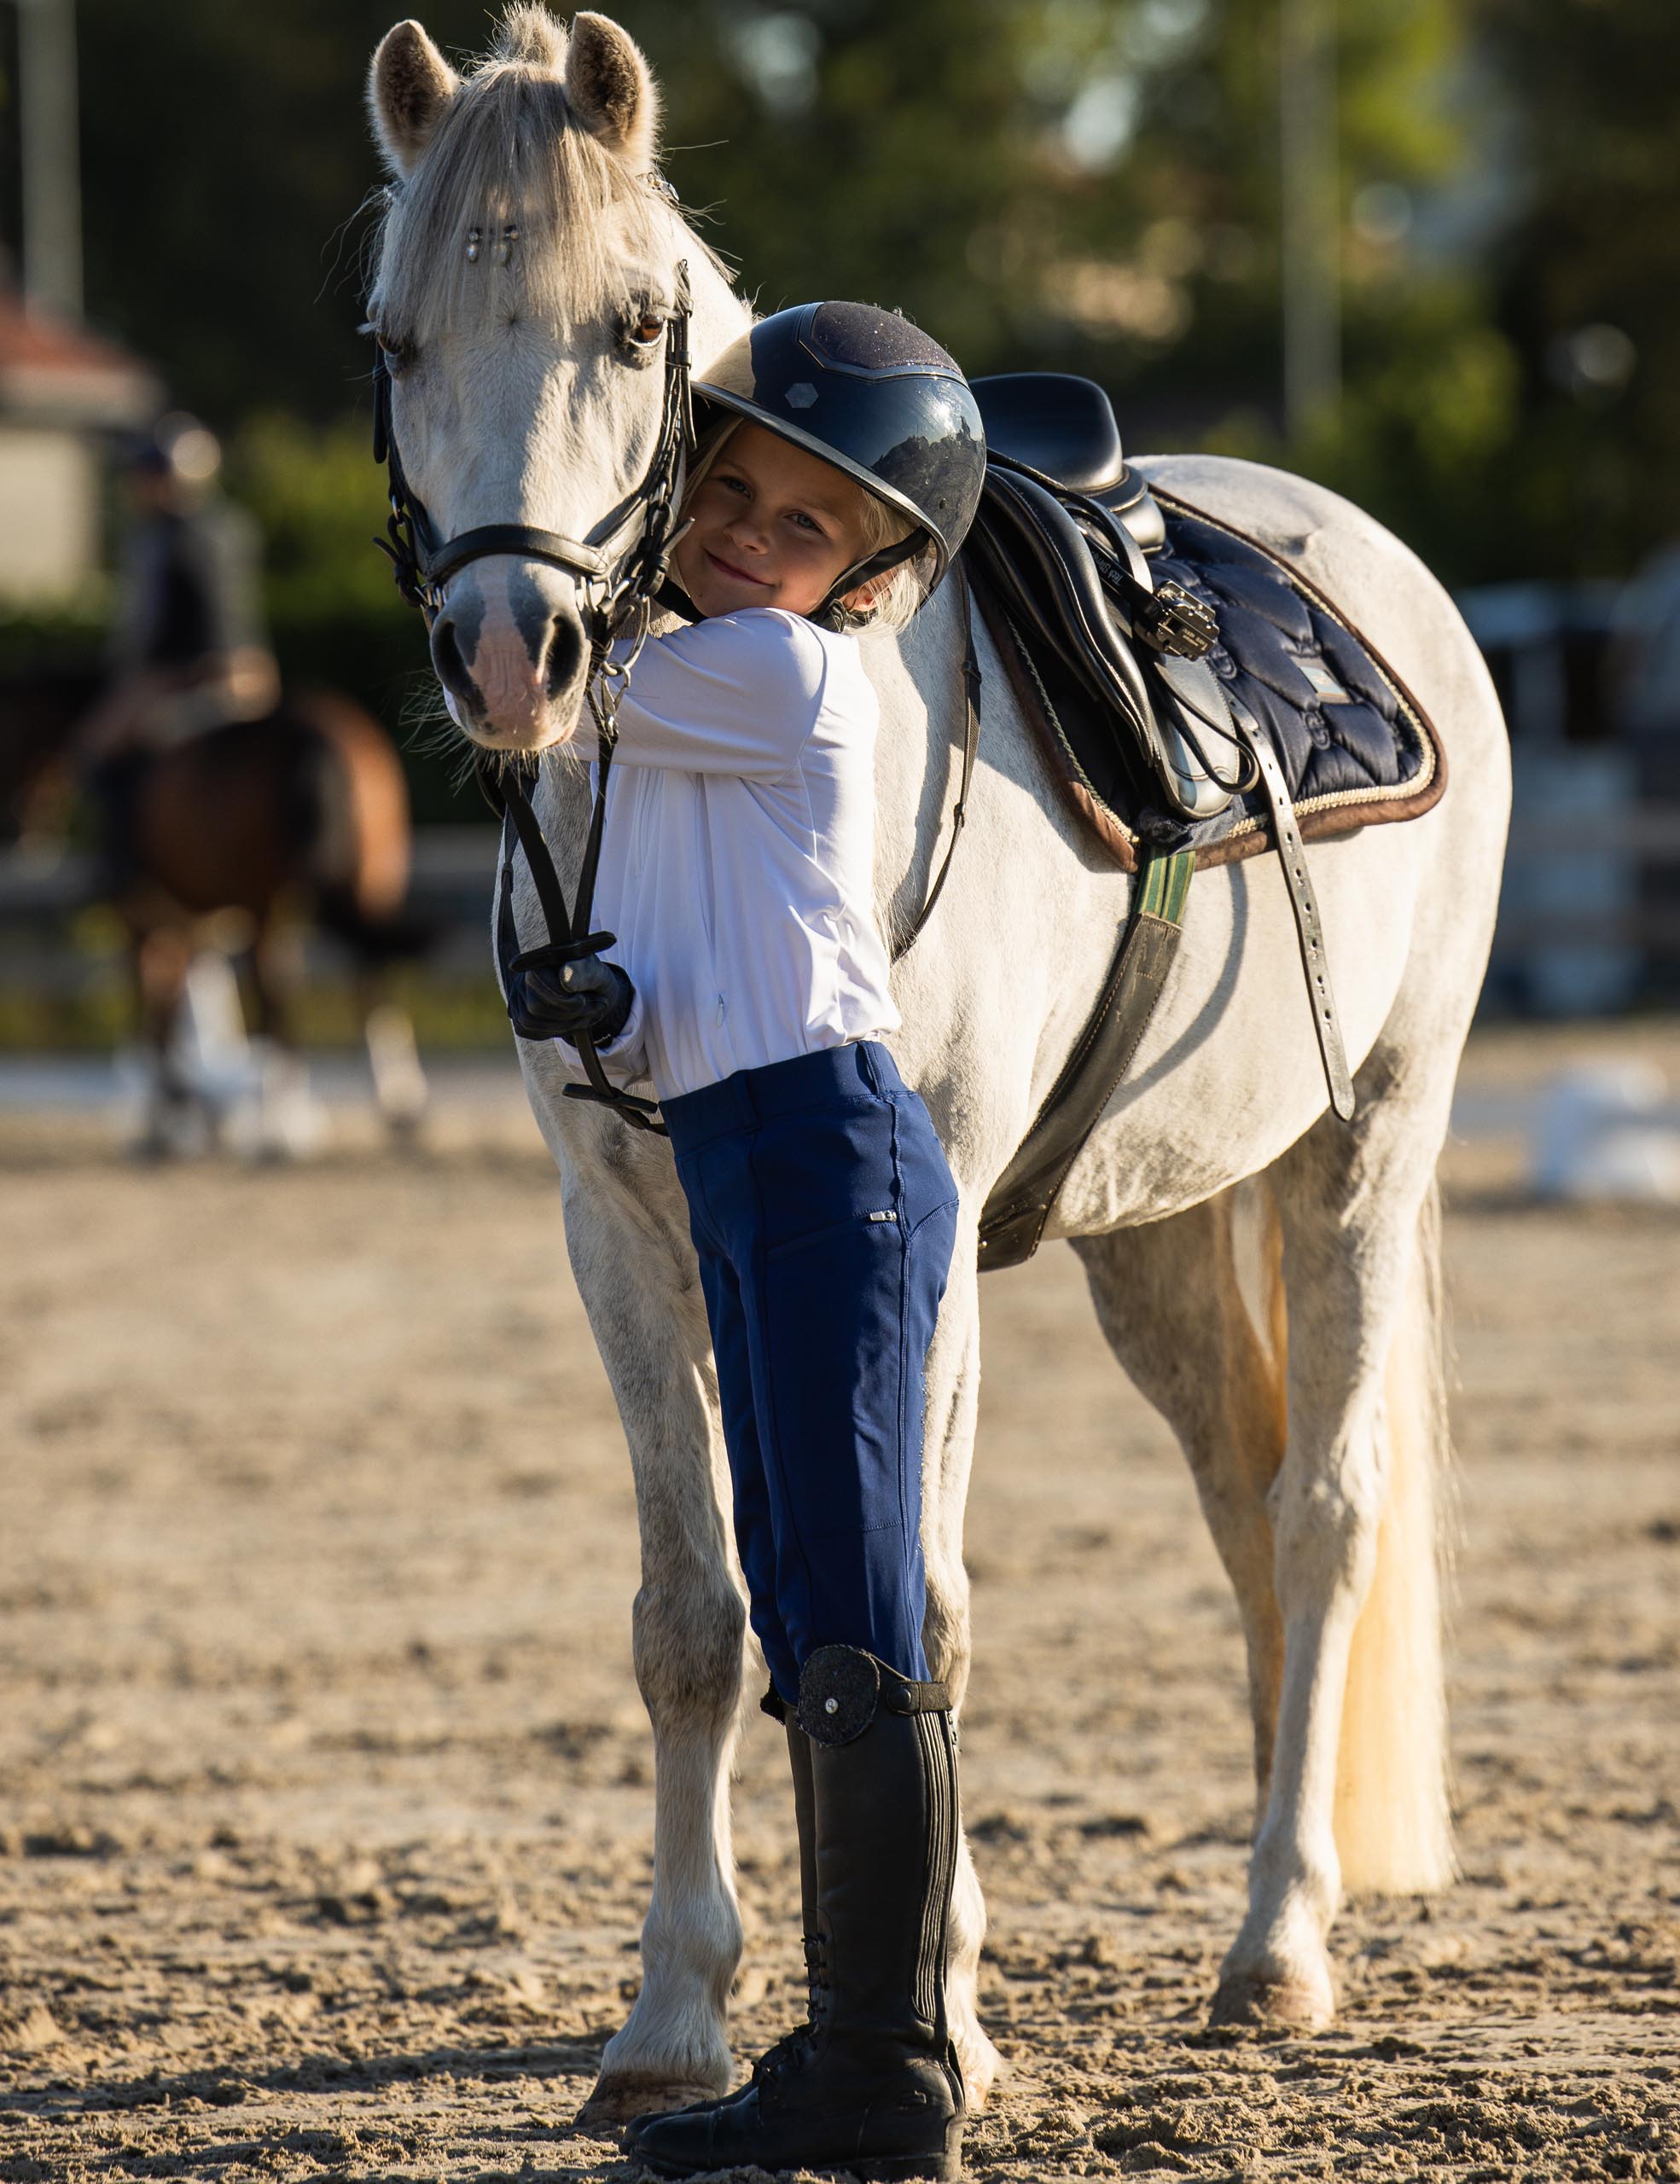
pixel 158 960
pixel 401 1093
pixel 635 1273
pixel 953 1384
pixel 273 977
pixel 1170 1301
pixel 1352 1201
pixel 289 1123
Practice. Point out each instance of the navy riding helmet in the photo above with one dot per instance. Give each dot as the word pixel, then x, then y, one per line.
pixel 874 395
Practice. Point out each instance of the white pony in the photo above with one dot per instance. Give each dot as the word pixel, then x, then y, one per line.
pixel 1314 1422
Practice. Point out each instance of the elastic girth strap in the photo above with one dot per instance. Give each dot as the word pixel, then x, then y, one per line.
pixel 1020 1201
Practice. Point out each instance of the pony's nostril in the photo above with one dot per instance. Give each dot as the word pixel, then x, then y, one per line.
pixel 452 669
pixel 565 653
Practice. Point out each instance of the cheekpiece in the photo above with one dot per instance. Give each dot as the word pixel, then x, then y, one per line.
pixel 839 1689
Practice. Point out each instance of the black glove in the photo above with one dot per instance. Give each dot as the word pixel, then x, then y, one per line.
pixel 559 1001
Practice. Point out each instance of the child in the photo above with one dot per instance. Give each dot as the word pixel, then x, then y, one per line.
pixel 842 460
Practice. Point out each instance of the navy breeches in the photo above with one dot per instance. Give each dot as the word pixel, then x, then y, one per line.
pixel 824 1217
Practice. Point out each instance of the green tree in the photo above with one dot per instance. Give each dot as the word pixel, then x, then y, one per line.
pixel 1588 279
pixel 1087 185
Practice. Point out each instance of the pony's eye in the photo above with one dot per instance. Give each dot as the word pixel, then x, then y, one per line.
pixel 641 329
pixel 395 353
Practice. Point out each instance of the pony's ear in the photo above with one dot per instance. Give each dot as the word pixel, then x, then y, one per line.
pixel 611 90
pixel 409 85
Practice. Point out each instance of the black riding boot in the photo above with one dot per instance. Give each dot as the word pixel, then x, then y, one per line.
pixel 871 2086
pixel 805 1819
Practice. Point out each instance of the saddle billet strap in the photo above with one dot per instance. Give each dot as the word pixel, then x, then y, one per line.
pixel 1309 928
pixel 1020 1201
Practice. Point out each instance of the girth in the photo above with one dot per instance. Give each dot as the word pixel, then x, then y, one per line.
pixel 1019 1201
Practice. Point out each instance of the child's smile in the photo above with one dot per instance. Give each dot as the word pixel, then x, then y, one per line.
pixel 772 526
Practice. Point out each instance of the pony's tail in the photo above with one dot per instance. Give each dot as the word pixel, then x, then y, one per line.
pixel 1394 1820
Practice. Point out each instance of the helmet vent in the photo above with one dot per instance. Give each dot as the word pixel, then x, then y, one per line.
pixel 869 340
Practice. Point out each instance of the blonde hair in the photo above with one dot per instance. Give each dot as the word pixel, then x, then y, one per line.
pixel 895 597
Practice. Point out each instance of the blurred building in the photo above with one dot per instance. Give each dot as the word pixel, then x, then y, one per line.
pixel 1589 915
pixel 63 394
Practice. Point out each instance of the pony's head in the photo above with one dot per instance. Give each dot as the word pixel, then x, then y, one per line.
pixel 527 263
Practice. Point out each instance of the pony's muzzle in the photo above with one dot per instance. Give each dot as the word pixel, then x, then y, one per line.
pixel 511 656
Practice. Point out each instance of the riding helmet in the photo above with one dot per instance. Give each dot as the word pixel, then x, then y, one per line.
pixel 876 397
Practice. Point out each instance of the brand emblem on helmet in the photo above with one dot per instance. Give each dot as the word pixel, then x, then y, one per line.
pixel 801 395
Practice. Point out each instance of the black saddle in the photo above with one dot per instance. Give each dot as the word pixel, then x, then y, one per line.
pixel 1062 543
pixel 1189 685
pixel 1064 428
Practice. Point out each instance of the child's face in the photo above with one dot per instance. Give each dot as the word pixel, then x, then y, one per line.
pixel 773 526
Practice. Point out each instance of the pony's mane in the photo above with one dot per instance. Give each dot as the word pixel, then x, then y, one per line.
pixel 509 150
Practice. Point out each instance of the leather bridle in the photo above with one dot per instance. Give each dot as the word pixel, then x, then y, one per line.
pixel 622 585
pixel 621 575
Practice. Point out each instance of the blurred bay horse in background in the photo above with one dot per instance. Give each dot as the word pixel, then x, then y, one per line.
pixel 531 266
pixel 302 814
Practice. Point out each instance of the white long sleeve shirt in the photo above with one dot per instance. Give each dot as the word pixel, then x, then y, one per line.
pixel 737 862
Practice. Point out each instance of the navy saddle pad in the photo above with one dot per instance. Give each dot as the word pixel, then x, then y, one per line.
pixel 1355 747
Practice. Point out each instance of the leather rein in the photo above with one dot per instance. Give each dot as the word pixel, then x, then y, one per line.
pixel 622 583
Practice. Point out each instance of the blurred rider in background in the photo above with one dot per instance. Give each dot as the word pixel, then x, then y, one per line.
pixel 188 651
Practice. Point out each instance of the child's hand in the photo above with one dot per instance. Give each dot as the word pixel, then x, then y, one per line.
pixel 559 1002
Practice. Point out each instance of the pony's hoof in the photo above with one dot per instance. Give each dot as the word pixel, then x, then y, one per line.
pixel 1247 1998
pixel 614 2101
pixel 981 2064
